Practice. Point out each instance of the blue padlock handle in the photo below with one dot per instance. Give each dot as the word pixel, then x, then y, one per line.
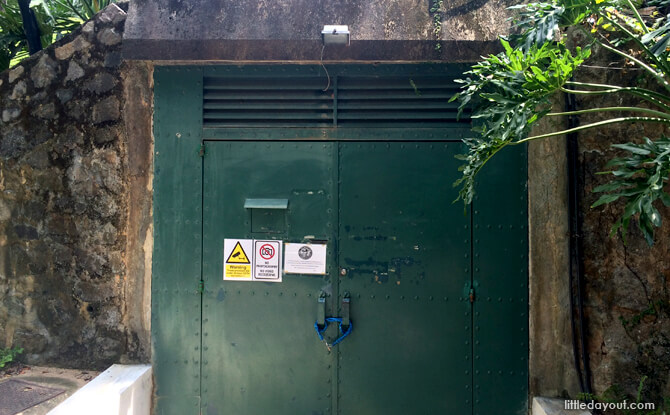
pixel 319 332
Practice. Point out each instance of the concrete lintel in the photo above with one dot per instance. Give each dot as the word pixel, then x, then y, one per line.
pixel 307 50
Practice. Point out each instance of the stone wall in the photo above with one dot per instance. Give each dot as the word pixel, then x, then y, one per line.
pixel 70 260
pixel 627 303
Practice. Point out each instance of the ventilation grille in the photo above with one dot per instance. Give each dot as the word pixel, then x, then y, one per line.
pixel 348 102
pixel 403 102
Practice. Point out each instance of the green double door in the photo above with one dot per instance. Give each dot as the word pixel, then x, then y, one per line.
pixel 398 249
pixel 437 297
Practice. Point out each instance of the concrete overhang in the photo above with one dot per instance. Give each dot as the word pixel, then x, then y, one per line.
pixel 290 30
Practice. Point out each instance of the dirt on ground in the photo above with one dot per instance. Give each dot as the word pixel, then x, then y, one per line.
pixel 69 380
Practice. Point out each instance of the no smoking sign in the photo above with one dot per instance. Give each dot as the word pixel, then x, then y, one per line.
pixel 267 261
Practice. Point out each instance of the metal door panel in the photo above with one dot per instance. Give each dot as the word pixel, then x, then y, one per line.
pixel 176 406
pixel 260 353
pixel 406 251
pixel 176 268
pixel 501 282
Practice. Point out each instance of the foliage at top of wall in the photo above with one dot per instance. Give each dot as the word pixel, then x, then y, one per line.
pixel 511 92
pixel 55 18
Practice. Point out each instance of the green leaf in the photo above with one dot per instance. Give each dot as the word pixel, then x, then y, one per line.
pixel 632 148
pixel 647 230
pixel 608 187
pixel 608 198
pixel 665 198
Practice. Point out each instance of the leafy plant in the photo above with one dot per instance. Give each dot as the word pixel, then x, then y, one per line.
pixel 436 9
pixel 615 395
pixel 639 177
pixel 511 91
pixel 55 18
pixel 8 355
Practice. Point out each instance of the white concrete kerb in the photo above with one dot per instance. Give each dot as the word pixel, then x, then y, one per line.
pixel 119 390
pixel 553 406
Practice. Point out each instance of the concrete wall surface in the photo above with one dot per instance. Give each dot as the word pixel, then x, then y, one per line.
pixel 291 29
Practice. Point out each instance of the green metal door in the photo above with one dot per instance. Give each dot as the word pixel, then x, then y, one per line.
pixel 404 254
pixel 399 250
pixel 436 295
pixel 259 349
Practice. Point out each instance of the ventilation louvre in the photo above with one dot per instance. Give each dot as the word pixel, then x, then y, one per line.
pixel 267 102
pixel 350 101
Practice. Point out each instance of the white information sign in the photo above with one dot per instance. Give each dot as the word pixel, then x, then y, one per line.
pixel 305 259
pixel 267 261
pixel 237 259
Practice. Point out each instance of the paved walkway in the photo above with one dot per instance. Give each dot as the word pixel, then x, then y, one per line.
pixel 68 379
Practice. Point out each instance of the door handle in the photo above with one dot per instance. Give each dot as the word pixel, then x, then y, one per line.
pixel 344 324
pixel 321 311
pixel 346 300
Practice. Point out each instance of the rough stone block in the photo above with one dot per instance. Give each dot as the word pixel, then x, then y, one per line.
pixel 74 71
pixel 112 60
pixel 104 136
pixel 102 82
pixel 88 28
pixel 105 206
pixel 77 109
pixel 109 109
pixel 38 159
pixel 10 114
pixel 13 143
pixel 64 95
pixel 44 72
pixel 5 211
pixel 71 137
pixel 26 232
pixel 19 90
pixel 109 37
pixel 15 73
pixel 111 14
pixel 46 111
pixel 67 50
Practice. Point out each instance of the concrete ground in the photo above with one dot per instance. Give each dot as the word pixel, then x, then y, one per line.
pixel 69 379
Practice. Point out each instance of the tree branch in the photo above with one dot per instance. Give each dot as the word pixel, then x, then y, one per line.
pixel 606 109
pixel 593 125
pixel 648 68
pixel 655 98
pixel 30 27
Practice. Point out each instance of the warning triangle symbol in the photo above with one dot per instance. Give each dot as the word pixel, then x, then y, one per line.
pixel 238 256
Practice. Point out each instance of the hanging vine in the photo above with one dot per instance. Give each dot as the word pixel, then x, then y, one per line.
pixel 436 10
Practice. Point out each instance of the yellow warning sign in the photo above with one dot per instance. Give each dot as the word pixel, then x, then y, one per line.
pixel 238 256
pixel 238 271
pixel 238 266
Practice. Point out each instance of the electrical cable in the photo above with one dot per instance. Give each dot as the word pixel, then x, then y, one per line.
pixel 576 268
pixel 324 68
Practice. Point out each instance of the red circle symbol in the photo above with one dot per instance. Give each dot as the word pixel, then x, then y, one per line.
pixel 267 251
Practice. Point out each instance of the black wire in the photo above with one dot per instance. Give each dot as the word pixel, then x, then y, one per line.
pixel 576 269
